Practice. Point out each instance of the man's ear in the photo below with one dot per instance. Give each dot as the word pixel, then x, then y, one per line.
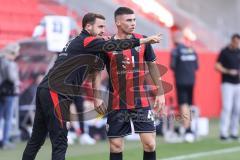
pixel 117 22
pixel 88 27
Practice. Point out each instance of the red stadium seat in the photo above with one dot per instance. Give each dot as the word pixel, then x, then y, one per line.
pixel 19 17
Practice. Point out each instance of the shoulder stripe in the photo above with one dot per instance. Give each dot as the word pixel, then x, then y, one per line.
pixel 136 35
pixel 88 40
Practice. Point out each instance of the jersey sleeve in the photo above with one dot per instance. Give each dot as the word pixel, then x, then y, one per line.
pixel 149 54
pixel 93 44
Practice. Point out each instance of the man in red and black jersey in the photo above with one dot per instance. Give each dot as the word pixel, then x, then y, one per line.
pixel 128 100
pixel 57 90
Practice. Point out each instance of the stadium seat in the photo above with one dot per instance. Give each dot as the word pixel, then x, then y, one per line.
pixel 19 17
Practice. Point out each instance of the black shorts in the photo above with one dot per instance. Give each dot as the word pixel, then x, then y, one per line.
pixel 119 122
pixel 185 94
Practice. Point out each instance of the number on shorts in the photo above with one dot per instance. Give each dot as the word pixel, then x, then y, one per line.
pixel 150 115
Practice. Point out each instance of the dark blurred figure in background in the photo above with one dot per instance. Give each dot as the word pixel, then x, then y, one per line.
pixel 27 97
pixel 85 138
pixel 184 63
pixel 9 90
pixel 228 64
pixel 27 106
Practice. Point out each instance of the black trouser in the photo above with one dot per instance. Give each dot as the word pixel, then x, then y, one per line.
pixel 49 118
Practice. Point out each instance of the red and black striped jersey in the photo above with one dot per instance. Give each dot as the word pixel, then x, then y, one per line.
pixel 126 83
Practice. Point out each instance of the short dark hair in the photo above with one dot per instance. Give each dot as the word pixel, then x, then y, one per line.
pixel 90 18
pixel 236 35
pixel 123 10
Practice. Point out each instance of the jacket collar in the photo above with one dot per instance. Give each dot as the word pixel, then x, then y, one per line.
pixel 84 32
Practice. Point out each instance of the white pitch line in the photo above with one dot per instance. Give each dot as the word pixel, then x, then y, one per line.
pixel 203 154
